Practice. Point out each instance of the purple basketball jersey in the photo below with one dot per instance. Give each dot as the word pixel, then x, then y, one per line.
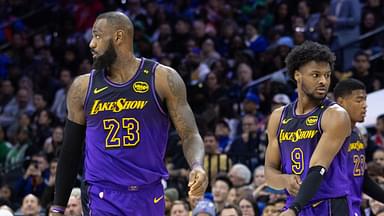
pixel 127 130
pixel 298 136
pixel 356 168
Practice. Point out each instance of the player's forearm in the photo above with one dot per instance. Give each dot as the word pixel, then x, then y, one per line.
pixel 70 157
pixel 274 178
pixel 193 148
pixel 372 189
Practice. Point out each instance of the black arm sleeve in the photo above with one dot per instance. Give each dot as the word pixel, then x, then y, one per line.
pixel 69 160
pixel 372 189
pixel 308 188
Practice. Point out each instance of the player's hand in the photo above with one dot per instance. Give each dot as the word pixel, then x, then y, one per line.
pixel 288 212
pixel 293 184
pixel 198 182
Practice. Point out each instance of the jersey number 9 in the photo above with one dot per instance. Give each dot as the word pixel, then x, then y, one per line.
pixel 297 159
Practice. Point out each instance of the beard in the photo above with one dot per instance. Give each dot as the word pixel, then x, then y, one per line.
pixel 106 59
pixel 311 94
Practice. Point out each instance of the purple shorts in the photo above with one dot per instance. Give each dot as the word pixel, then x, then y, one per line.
pixel 139 201
pixel 330 207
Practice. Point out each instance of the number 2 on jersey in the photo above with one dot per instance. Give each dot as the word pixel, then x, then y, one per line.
pixel 297 158
pixel 359 162
pixel 113 126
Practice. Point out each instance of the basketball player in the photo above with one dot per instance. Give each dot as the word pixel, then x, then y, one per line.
pixel 122 109
pixel 306 154
pixel 351 95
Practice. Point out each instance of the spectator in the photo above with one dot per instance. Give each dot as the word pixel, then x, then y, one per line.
pixel 248 206
pixel 22 103
pixel 269 210
pixel 244 148
pixel 240 175
pixel 5 147
pixel 170 196
pixel 258 177
pixel 48 194
pixel 378 157
pixel 214 160
pixel 230 210
pixel 179 208
pixel 361 71
pixel 204 208
pixel 30 206
pixel 59 104
pixel 345 18
pixel 220 190
pixel 378 138
pixel 74 207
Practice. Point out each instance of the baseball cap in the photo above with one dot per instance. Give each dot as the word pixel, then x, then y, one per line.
pixel 281 99
pixel 204 206
pixel 252 97
pixel 285 41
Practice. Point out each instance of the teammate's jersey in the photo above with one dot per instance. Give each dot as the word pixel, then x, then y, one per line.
pixel 298 136
pixel 356 168
pixel 126 130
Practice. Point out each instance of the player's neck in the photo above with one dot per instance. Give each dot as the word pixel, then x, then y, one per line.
pixel 124 68
pixel 306 104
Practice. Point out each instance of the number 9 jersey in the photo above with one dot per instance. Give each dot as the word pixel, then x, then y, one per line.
pixel 298 136
pixel 127 130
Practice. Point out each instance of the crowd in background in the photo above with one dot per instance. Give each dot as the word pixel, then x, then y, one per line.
pixel 219 47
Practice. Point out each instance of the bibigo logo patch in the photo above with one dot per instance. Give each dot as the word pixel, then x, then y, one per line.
pixel 311 120
pixel 140 87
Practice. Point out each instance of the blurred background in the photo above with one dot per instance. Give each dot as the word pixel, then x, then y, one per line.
pixel 231 57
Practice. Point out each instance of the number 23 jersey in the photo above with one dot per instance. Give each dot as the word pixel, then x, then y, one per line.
pixel 126 130
pixel 298 136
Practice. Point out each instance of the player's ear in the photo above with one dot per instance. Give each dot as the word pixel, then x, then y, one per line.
pixel 118 37
pixel 296 75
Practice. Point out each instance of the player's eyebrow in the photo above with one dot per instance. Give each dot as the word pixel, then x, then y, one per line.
pixel 96 31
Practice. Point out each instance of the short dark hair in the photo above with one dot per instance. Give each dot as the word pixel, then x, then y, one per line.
pixel 380 117
pixel 231 206
pixel 223 177
pixel 307 52
pixel 360 53
pixel 345 87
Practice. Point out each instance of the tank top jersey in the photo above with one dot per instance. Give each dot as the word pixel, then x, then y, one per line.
pixel 356 168
pixel 126 130
pixel 298 136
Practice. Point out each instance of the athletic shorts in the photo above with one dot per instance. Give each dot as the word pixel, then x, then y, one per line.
pixel 329 207
pixel 134 200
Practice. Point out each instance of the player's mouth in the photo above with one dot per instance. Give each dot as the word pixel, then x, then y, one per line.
pixel 321 90
pixel 94 54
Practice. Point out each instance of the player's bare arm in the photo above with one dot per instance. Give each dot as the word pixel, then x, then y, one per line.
pixel 76 98
pixel 273 174
pixel 173 91
pixel 71 152
pixel 336 127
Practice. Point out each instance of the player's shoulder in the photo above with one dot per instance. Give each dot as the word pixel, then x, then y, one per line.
pixel 336 115
pixel 163 70
pixel 274 118
pixel 80 84
pixel 336 109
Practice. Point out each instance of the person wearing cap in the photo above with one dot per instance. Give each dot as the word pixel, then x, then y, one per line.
pixel 204 208
pixel 170 196
pixel 279 100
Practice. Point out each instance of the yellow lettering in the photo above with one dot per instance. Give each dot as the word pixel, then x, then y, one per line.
pixel 297 135
pixel 116 106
